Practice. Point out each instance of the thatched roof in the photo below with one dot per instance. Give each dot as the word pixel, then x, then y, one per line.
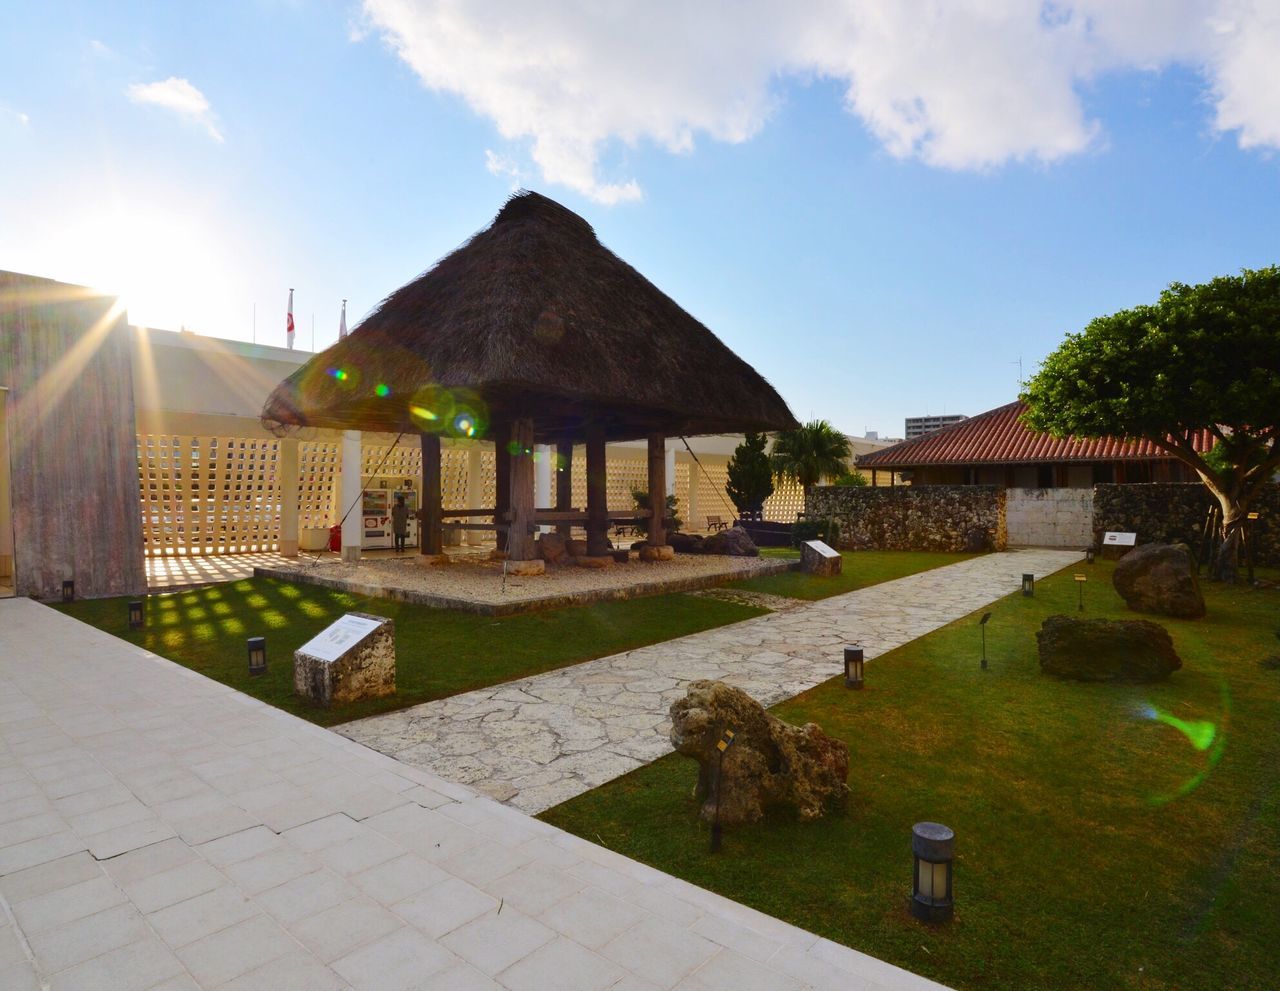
pixel 531 317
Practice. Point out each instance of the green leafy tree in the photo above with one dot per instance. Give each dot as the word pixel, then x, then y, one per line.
pixel 851 480
pixel 1203 357
pixel 750 477
pixel 671 522
pixel 809 454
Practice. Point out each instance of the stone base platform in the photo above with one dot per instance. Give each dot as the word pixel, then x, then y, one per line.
pixel 479 586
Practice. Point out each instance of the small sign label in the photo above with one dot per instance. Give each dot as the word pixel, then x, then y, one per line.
pixel 821 548
pixel 1120 539
pixel 339 637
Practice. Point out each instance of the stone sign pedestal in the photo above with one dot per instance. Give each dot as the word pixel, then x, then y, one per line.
pixel 353 658
pixel 816 558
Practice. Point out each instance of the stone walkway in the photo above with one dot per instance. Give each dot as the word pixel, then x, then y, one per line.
pixel 539 741
pixel 161 831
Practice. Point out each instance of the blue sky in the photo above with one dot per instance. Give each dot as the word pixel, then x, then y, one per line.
pixel 883 216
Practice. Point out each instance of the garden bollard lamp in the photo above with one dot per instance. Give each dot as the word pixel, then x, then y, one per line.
pixel 933 846
pixel 1089 555
pixel 135 615
pixel 1028 585
pixel 853 667
pixel 257 655
pixel 68 591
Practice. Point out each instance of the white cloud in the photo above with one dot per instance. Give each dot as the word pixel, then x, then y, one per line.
pixel 179 96
pixel 503 166
pixel 962 84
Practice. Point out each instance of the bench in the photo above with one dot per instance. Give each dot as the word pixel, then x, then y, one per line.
pixel 715 523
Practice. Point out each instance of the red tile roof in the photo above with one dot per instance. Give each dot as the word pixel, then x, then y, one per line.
pixel 1000 437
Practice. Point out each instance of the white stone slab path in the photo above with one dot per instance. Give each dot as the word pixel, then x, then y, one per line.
pixel 539 741
pixel 162 832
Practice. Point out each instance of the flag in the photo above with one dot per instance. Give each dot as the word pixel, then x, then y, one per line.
pixel 288 333
pixel 342 322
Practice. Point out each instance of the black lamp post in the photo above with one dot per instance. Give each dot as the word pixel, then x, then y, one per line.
pixel 933 846
pixel 853 667
pixel 257 655
pixel 1028 585
pixel 68 591
pixel 982 625
pixel 1089 555
pixel 135 615
pixel 723 744
pixel 1080 580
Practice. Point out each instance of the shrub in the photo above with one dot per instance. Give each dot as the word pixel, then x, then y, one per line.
pixel 828 531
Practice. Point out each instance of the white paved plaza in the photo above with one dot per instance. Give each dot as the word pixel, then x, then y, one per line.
pixel 540 741
pixel 161 831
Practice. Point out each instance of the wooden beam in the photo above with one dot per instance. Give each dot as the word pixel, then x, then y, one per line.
pixel 564 482
pixel 430 538
pixel 519 540
pixel 502 474
pixel 597 493
pixel 657 489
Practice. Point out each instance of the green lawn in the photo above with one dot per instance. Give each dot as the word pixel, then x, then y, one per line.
pixel 1097 847
pixel 859 569
pixel 438 652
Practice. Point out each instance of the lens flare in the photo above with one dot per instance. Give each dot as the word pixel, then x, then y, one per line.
pixel 381 390
pixel 1208 738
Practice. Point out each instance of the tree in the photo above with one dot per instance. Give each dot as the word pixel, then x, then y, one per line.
pixel 670 522
pixel 809 454
pixel 750 478
pixel 1203 357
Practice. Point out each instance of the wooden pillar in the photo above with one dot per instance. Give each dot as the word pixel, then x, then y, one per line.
pixel 430 538
pixel 287 468
pixel 502 477
pixel 597 494
pixel 564 483
pixel 519 539
pixel 874 482
pixel 657 489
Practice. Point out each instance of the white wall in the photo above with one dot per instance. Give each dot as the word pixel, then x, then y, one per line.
pixel 1049 517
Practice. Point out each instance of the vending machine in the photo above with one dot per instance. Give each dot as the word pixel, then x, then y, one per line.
pixel 379 497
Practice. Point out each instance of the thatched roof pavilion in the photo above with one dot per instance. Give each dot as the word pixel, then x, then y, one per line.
pixel 531 331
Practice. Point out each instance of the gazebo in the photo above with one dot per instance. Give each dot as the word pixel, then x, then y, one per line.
pixel 532 332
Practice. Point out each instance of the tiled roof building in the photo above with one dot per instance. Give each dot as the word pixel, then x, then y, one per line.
pixel 997 448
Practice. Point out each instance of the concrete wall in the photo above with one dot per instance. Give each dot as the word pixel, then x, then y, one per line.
pixel 1049 517
pixel 64 356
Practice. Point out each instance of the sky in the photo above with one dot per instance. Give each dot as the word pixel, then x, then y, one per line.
pixel 888 208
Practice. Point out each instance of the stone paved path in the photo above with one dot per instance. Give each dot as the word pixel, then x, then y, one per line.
pixel 162 832
pixel 539 741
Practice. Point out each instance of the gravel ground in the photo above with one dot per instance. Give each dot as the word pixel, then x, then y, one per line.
pixel 482 581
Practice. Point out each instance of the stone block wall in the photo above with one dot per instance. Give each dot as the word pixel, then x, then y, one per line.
pixel 1175 512
pixel 915 518
pixel 1049 517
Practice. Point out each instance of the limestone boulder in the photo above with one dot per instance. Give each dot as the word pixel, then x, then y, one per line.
pixel 553 548
pixel 734 542
pixel 1134 650
pixel 686 543
pixel 770 762
pixel 1160 578
pixel 575 547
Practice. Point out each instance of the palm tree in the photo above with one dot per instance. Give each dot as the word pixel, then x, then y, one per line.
pixel 809 454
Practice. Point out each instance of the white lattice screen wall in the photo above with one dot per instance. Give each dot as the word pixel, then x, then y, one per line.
pixel 221 495
pixel 208 495
pixel 786 502
pixel 318 463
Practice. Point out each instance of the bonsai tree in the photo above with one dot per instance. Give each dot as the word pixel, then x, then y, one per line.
pixel 671 522
pixel 750 477
pixel 809 454
pixel 1202 358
